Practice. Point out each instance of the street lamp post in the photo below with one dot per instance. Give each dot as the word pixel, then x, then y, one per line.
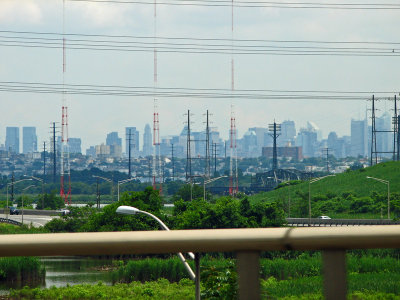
pixel 112 185
pixel 209 181
pixel 122 182
pixel 309 194
pixel 42 182
pixel 129 210
pixel 13 183
pixel 22 198
pixel 388 192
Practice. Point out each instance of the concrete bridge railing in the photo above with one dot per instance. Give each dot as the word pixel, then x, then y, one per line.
pixel 247 243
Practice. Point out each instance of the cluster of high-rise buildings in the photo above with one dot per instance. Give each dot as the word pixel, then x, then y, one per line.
pixel 255 142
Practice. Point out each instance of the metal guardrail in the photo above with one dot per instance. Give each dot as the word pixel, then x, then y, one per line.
pixel 338 222
pixel 37 212
pixel 9 221
pixel 247 243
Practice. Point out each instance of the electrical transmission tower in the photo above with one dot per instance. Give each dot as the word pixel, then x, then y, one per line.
pixel 129 141
pixel 274 130
pixel 374 131
pixel 326 152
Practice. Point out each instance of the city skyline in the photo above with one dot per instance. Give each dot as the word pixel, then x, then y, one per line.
pixel 250 142
pixel 93 116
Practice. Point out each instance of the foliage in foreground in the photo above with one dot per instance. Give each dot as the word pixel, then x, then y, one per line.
pixel 21 270
pixel 160 289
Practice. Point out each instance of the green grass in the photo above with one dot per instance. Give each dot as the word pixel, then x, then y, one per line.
pixel 161 289
pixel 354 181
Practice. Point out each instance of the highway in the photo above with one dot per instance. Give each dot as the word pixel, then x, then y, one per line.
pixel 36 220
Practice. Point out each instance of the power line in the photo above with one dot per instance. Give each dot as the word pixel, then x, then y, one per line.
pixel 197 39
pixel 139 46
pixel 258 4
pixel 98 90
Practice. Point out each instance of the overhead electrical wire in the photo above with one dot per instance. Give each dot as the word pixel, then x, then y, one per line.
pixel 129 91
pixel 258 4
pixel 198 46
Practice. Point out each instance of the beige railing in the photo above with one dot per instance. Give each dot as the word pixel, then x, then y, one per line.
pixel 247 243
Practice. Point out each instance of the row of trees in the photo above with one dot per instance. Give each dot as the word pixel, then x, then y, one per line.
pixel 226 212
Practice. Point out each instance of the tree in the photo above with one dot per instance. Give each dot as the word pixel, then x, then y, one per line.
pixel 189 192
pixel 50 201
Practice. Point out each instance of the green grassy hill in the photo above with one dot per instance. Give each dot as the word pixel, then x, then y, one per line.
pixel 338 187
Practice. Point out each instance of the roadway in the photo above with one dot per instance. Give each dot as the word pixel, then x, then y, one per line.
pixel 36 220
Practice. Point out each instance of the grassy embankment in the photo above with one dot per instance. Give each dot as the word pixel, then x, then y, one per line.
pixel 354 182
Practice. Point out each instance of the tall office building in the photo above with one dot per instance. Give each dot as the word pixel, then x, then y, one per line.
pixel 115 143
pixel 134 141
pixel 113 139
pixel 29 140
pixel 308 140
pixel 147 141
pixel 359 138
pixel 288 133
pixel 75 145
pixel 384 140
pixel 12 139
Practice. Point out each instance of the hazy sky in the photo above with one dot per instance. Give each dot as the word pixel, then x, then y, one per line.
pixel 92 117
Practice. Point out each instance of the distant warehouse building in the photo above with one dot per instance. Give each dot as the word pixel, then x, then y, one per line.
pixel 295 153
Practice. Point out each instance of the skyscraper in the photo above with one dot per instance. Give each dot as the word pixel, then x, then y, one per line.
pixel 288 133
pixel 12 139
pixel 75 145
pixel 134 141
pixel 29 140
pixel 359 138
pixel 113 139
pixel 147 141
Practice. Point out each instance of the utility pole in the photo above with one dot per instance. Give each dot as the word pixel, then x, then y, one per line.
pixel 44 162
pixel 395 129
pixel 188 151
pixel 274 129
pixel 54 153
pixel 207 170
pixel 12 187
pixel 173 162
pixel 129 153
pixel 98 195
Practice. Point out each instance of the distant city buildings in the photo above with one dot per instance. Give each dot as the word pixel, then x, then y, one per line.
pixel 12 139
pixel 29 140
pixel 132 137
pixel 292 143
pixel 75 145
pixel 147 141
pixel 359 138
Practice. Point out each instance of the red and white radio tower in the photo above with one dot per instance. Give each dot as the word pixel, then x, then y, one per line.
pixel 233 176
pixel 233 180
pixel 65 187
pixel 156 123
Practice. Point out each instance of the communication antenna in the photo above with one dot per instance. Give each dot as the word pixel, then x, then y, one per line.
pixel 65 178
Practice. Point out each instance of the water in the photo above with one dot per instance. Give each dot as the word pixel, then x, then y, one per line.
pixel 61 271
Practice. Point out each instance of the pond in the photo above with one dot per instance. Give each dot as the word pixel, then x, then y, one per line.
pixel 61 271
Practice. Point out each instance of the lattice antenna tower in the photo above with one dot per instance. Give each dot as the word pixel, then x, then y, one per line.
pixel 156 149
pixel 65 172
pixel 233 170
pixel 233 180
pixel 157 163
